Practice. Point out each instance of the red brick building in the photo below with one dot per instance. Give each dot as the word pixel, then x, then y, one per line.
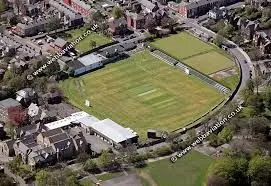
pixel 195 8
pixel 135 21
pixel 80 6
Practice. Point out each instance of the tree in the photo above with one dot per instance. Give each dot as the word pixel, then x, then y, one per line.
pixel 228 30
pixel 238 39
pixel 9 74
pixel 255 102
pixel 107 161
pixel 43 178
pixel 257 82
pixel 219 40
pixel 53 24
pixel 214 140
pixel 254 54
pixel 225 135
pixel 17 115
pixel 52 69
pixel 192 134
pixel 231 169
pixel 93 44
pixel 117 13
pixel 250 85
pixel 5 180
pixel 216 180
pixel 3 6
pixel 267 97
pixel 59 177
pixel 10 130
pixel 259 170
pixel 40 84
pixel 17 83
pixel 258 126
pixel 97 17
pixel 91 166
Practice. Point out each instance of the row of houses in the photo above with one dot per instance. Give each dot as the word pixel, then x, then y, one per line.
pixel 251 32
pixel 39 145
pixel 25 109
pixel 194 8
pixel 79 6
pixel 55 10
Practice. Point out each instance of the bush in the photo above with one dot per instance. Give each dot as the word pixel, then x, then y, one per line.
pixel 163 151
pixel 91 166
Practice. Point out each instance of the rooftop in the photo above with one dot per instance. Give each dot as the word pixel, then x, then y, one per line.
pixel 8 103
pixel 113 131
pixel 91 59
pixel 66 121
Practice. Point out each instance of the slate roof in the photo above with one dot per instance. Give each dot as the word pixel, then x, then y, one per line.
pixel 9 103
pixel 52 132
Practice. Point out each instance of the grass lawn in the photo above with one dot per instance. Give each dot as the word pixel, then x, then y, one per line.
pixel 86 182
pixel 194 52
pixel 182 45
pixel 109 176
pixel 142 92
pixel 210 62
pixel 84 45
pixel 190 170
pixel 230 81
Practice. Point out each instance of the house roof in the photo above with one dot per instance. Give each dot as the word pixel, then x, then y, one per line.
pixel 197 3
pixel 9 143
pixel 26 93
pixel 75 64
pixel 66 121
pixel 60 42
pixel 112 130
pixel 9 103
pixel 27 129
pixel 91 59
pixel 59 137
pixel 52 132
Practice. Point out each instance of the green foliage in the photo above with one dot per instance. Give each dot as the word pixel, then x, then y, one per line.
pixel 43 178
pixel 117 13
pixel 108 161
pixel 231 169
pixel 260 170
pixel 267 98
pixel 17 167
pixel 3 6
pixel 238 39
pixel 97 17
pixel 163 151
pixel 53 24
pixel 214 140
pixel 5 180
pixel 93 44
pixel 225 135
pixel 90 166
pixel 219 39
pixel 59 177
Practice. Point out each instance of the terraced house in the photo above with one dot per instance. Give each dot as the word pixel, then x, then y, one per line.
pixel 194 8
pixel 81 7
